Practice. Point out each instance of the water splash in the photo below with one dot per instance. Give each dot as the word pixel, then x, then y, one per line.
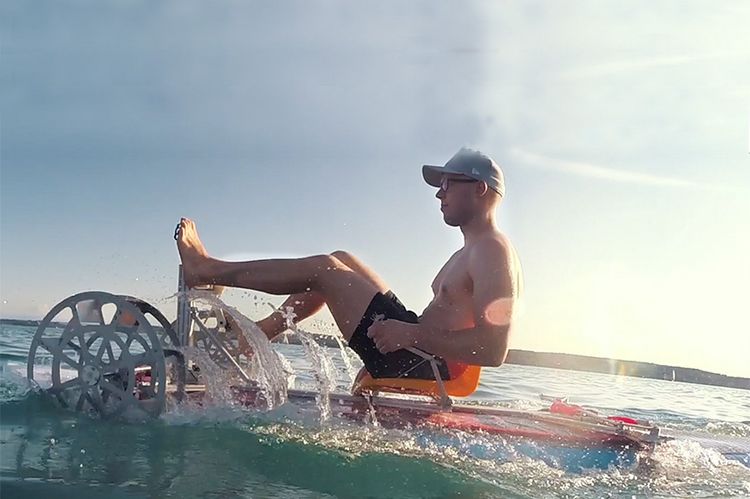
pixel 265 367
pixel 216 379
pixel 370 417
pixel 14 386
pixel 683 468
pixel 322 365
pixel 733 429
pixel 291 376
pixel 350 371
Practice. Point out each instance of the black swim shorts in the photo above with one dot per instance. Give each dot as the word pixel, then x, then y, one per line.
pixel 398 364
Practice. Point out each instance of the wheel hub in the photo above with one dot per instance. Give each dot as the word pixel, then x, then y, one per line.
pixel 90 375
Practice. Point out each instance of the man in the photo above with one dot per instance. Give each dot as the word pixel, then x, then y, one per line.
pixel 468 320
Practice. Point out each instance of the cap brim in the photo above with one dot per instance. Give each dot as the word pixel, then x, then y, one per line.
pixel 433 175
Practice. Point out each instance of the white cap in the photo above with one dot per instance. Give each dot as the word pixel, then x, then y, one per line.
pixel 469 163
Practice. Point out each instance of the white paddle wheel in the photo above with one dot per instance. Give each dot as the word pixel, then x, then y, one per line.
pixel 112 355
pixel 99 353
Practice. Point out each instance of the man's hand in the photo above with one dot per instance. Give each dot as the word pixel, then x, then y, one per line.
pixel 390 335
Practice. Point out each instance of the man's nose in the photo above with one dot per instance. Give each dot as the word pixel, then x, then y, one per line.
pixel 440 194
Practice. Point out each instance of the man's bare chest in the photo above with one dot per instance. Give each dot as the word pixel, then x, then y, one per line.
pixel 453 281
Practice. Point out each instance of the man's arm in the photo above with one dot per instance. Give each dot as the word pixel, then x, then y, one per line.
pixel 484 344
pixel 480 345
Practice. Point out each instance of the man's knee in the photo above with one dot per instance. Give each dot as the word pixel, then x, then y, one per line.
pixel 344 257
pixel 326 262
pixel 328 272
pixel 356 265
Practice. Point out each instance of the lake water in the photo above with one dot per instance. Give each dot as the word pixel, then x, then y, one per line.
pixel 226 451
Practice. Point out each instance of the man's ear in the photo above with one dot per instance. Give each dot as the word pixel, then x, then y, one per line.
pixel 482 188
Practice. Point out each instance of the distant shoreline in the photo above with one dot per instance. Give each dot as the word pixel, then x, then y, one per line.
pixel 570 362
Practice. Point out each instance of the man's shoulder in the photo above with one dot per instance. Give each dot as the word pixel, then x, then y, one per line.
pixel 494 259
pixel 487 256
pixel 493 253
pixel 492 246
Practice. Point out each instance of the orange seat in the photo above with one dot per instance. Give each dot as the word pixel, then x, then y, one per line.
pixel 461 386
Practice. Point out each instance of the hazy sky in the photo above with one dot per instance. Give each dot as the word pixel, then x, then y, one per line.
pixel 290 128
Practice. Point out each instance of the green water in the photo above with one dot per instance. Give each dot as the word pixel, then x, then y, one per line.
pixel 221 450
pixel 48 450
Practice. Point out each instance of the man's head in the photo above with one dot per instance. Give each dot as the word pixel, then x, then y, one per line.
pixel 470 184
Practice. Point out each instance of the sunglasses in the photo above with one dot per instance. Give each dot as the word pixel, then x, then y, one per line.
pixel 446 182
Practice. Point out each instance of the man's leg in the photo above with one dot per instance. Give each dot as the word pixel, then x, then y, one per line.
pixel 347 293
pixel 308 303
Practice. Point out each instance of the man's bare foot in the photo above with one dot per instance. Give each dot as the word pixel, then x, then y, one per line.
pixel 195 258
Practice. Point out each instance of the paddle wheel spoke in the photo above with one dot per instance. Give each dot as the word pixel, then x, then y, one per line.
pixel 140 341
pixel 75 347
pixel 71 383
pixel 104 396
pixel 83 346
pixel 72 363
pixel 81 400
pixel 76 320
pixel 110 352
pixel 104 347
pixel 52 345
pixel 95 399
pixel 142 359
pixel 114 390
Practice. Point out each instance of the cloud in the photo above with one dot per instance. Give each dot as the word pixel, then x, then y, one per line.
pixel 583 169
pixel 616 67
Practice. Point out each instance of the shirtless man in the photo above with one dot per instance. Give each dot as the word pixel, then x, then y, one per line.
pixel 468 320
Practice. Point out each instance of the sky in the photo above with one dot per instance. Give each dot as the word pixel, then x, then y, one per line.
pixel 293 128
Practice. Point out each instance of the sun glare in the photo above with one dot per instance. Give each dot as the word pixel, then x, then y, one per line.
pixel 500 312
